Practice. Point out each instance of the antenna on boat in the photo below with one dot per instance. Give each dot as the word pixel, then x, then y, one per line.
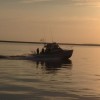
pixel 44 38
pixel 52 37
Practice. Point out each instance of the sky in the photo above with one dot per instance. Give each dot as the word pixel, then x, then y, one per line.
pixel 69 21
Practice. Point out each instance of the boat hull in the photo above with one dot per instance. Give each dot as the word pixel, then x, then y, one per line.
pixel 66 54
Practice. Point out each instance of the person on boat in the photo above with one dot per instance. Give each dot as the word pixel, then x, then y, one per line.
pixel 37 50
pixel 42 51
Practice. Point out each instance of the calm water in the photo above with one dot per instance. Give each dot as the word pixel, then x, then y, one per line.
pixel 76 79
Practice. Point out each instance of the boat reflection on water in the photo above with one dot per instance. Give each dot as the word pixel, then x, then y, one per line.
pixel 53 66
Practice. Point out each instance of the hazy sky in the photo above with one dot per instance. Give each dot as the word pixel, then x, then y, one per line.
pixel 75 21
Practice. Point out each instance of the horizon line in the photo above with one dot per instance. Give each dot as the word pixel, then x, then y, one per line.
pixel 79 44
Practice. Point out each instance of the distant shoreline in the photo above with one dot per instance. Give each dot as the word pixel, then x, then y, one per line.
pixel 77 44
pixel 21 42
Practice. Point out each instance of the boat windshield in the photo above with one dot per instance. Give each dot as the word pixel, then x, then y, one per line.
pixel 52 46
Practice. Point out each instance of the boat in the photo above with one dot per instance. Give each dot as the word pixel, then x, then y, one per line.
pixel 51 51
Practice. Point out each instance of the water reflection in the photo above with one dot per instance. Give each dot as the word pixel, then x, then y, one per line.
pixel 53 66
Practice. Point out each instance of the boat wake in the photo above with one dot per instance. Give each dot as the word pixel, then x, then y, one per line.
pixel 15 57
pixel 28 57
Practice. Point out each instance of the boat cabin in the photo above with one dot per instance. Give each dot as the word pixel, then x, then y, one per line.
pixel 52 48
